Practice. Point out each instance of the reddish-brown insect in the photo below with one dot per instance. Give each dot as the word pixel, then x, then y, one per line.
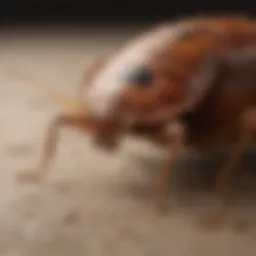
pixel 187 83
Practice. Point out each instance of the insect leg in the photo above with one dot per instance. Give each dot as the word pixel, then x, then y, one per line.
pixel 174 136
pixel 49 148
pixel 248 126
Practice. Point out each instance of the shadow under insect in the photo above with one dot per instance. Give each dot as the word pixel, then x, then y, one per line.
pixel 193 178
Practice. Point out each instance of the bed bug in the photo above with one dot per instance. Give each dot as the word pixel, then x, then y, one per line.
pixel 186 83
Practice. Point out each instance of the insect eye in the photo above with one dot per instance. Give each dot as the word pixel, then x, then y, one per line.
pixel 142 76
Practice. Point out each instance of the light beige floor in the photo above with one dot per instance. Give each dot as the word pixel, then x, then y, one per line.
pixel 93 203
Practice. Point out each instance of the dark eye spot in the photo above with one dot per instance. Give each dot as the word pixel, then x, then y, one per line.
pixel 141 76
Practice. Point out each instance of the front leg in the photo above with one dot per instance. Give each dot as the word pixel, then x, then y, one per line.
pixel 174 137
pixel 49 148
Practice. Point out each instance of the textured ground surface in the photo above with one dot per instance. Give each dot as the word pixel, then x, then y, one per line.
pixel 93 203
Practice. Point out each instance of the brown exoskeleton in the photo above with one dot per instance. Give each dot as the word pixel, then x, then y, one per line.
pixel 187 83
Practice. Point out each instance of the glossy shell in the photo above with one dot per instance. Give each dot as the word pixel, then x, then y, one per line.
pixel 113 79
pixel 187 57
